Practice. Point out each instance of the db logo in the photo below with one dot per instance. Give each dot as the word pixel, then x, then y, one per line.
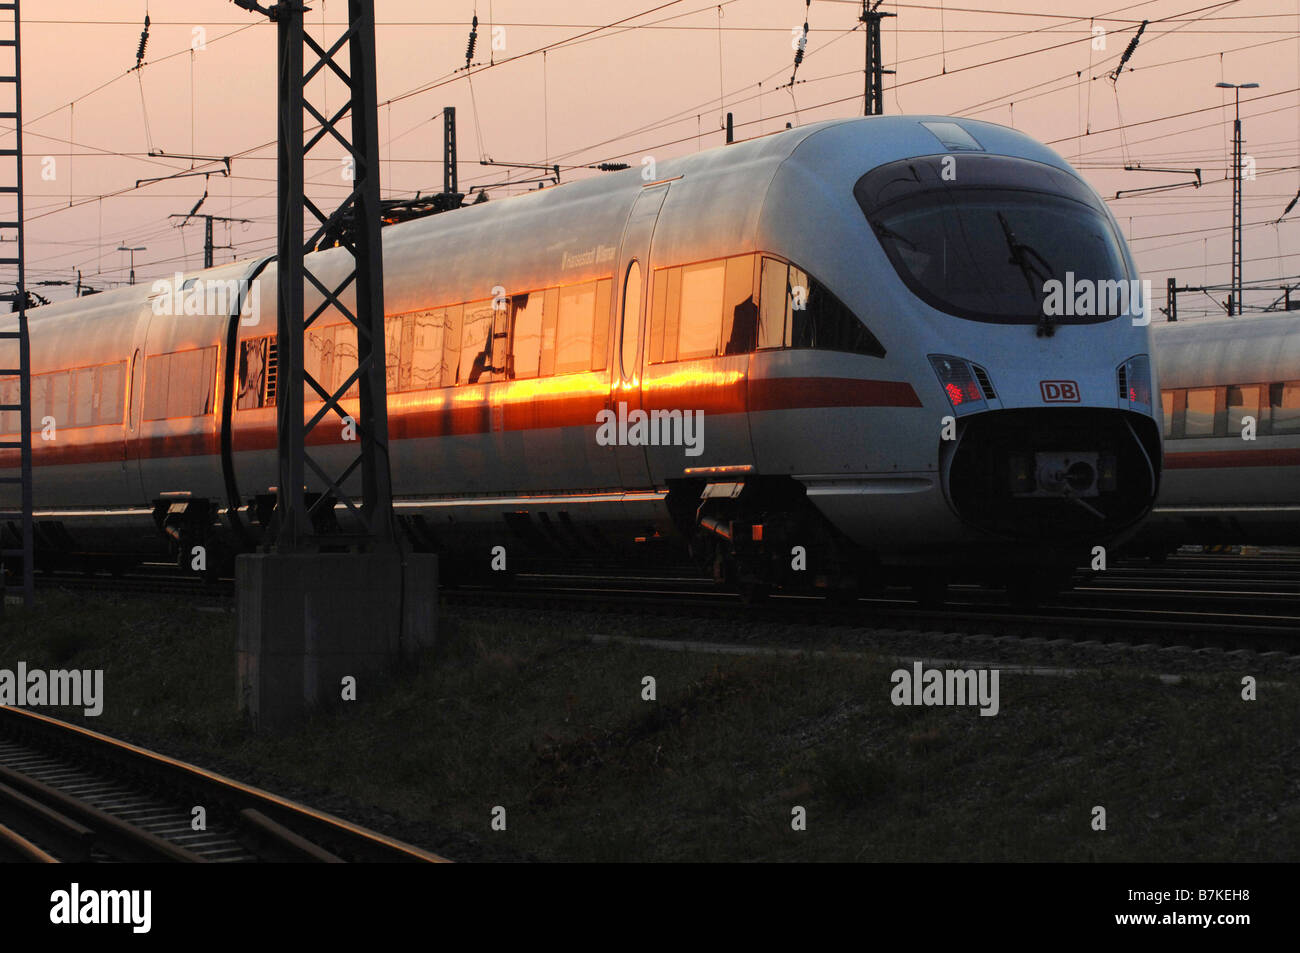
pixel 1059 392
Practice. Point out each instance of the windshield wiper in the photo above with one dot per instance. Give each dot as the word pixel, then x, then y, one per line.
pixel 1020 255
pixel 885 231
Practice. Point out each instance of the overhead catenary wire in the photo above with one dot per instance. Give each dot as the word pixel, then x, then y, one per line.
pixel 828 102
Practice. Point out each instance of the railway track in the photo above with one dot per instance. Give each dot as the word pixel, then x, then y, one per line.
pixel 1224 601
pixel 71 794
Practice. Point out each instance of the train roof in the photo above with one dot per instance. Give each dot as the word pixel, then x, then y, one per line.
pixel 735 178
pixel 1246 349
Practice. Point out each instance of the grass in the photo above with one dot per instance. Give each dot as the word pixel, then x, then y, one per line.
pixel 521 715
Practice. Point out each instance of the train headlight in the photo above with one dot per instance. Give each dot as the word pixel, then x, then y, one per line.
pixel 1134 379
pixel 958 379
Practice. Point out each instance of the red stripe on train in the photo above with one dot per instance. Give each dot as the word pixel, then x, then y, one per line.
pixel 459 416
pixel 1209 459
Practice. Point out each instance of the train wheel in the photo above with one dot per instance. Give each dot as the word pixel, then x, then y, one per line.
pixel 754 593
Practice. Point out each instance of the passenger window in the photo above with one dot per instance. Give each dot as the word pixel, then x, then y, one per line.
pixel 109 386
pixel 476 344
pixel 739 312
pixel 500 362
pixel 1242 402
pixel 180 384
pixel 182 369
pixel 59 395
pixel 157 371
pixel 426 352
pixel 407 332
pixel 1167 406
pixel 658 307
pixel 701 309
pixel 318 360
pixel 9 422
pixel 672 313
pixel 1200 413
pixel 550 315
pixel 252 377
pixel 345 358
pixel 573 331
pixel 774 304
pixel 1284 402
pixel 600 330
pixel 527 334
pixel 451 344
pixel 799 327
pixel 392 351
pixel 82 412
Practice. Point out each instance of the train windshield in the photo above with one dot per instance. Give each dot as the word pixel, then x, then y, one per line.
pixel 990 237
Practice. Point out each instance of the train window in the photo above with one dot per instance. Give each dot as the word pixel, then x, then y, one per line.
pixel 831 325
pixel 739 312
pixel 550 315
pixel 500 366
pixel 672 313
pixel 406 330
pixel 1284 402
pixel 1199 421
pixel 345 358
pixel 157 370
pixel 476 344
pixel 82 409
pixel 59 397
pixel 179 384
pixel 1242 402
pixel 573 330
pixel 658 306
pixel 799 327
pixel 39 398
pixel 701 323
pixel 631 323
pixel 195 397
pixel 775 303
pixel 428 335
pixel 600 330
pixel 252 377
pixel 9 395
pixel 452 321
pixel 318 360
pixel 110 381
pixel 392 351
pixel 527 334
pixel 1167 405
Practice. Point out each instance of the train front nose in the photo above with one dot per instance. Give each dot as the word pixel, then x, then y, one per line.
pixel 1064 474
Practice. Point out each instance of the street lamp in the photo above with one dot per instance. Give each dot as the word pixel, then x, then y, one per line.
pixel 132 251
pixel 1234 297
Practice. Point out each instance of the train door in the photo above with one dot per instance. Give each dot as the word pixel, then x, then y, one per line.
pixel 632 281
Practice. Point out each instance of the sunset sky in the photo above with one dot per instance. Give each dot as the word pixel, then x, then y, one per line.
pixel 657 84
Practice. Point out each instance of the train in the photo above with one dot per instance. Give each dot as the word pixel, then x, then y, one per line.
pixel 1230 407
pixel 819 358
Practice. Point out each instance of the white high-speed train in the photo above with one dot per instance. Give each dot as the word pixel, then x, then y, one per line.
pixel 833 335
pixel 1231 404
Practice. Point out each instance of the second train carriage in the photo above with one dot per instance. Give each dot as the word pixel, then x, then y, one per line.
pixel 845 304
pixel 1230 402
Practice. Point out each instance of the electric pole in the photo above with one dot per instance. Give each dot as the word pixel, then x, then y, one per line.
pixel 874 91
pixel 1234 296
